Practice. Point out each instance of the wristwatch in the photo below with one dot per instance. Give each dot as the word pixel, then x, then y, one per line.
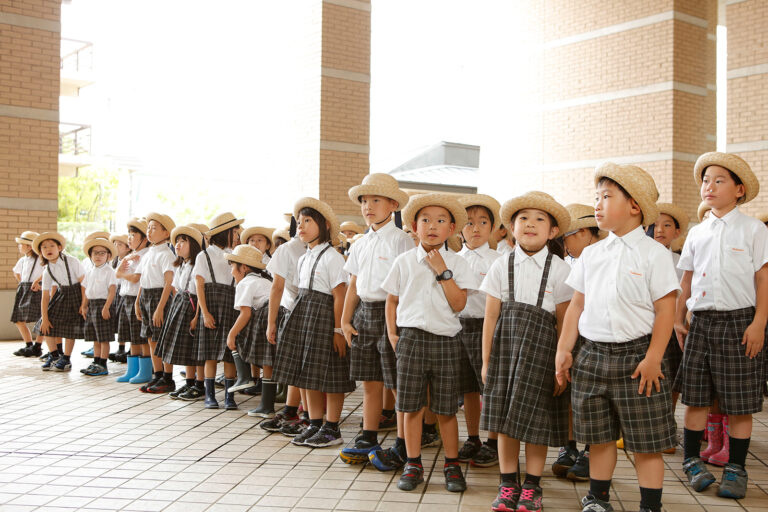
pixel 338 330
pixel 446 275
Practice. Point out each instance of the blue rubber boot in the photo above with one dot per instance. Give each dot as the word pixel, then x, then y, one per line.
pixel 131 371
pixel 145 371
pixel 210 394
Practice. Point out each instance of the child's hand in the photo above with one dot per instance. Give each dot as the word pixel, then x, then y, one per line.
pixel 563 363
pixel 137 309
pixel 83 312
pixel 105 314
pixel 193 324
pixel 349 331
pixel 339 345
pixel 45 326
pixel 36 286
pixel 559 388
pixel 272 333
pixel 681 332
pixel 157 318
pixel 131 257
pixel 650 375
pixel 484 373
pixel 208 320
pixel 393 339
pixel 436 262
pixel 231 345
pixel 754 337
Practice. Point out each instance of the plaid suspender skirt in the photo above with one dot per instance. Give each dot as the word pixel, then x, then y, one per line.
pixel 252 344
pixel 177 344
pixel 220 300
pixel 26 306
pixel 63 309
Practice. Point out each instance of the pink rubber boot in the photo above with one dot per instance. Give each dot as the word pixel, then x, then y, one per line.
pixel 721 458
pixel 715 436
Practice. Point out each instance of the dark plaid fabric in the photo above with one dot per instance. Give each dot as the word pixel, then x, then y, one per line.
pixel 252 344
pixel 64 309
pixel 128 326
pixel 471 336
pixel 150 299
pixel 518 396
pixel 606 403
pixel 96 327
pixel 427 363
pixel 674 356
pixel 715 363
pixel 212 343
pixel 366 358
pixel 26 306
pixel 176 344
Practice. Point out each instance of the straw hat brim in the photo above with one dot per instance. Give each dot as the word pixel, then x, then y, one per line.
pixel 280 233
pixel 100 242
pixel 371 189
pixel 27 237
pixel 763 217
pixel 97 234
pixel 734 164
pixel 119 238
pixel 141 225
pixel 454 243
pixel 676 213
pixel 163 219
pixel 486 201
pixel 637 182
pixel 325 210
pixel 256 230
pixel 449 202
pixel 189 231
pixel 538 202
pixel 245 260
pixel 351 226
pixel 202 228
pixel 224 226
pixel 48 235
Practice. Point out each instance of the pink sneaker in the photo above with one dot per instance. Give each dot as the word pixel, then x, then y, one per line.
pixel 721 458
pixel 715 434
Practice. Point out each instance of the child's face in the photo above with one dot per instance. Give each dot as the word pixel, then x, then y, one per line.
pixel 238 271
pixel 122 249
pixel 134 240
pixel 614 210
pixel 307 229
pixel 24 249
pixel 182 247
pixel 349 234
pixel 236 235
pixel 532 229
pixel 260 242
pixel 718 189
pixel 50 249
pixel 478 228
pixel 99 255
pixel 156 232
pixel 375 209
pixel 577 242
pixel 433 225
pixel 664 231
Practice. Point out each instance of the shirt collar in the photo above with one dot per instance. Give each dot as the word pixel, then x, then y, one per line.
pixel 316 249
pixel 539 258
pixel 383 230
pixel 631 239
pixel 421 253
pixel 480 251
pixel 728 218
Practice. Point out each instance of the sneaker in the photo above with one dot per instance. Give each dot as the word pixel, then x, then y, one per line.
pixel 506 499
pixel 111 356
pixel 294 428
pixel 43 357
pixel 486 457
pixel 154 380
pixel 358 453
pixel 48 364
pixel 734 482
pixel 302 438
pixel 566 458
pixel 698 475
pixel 276 423
pixel 33 351
pixel 454 478
pixel 530 498
pixel 87 353
pixel 193 394
pixel 174 395
pixel 254 390
pixel 22 351
pixel 121 357
pixel 64 365
pixel 469 450
pixel 88 368
pixel 413 475
pixel 163 386
pixel 592 504
pixel 579 472
pixel 431 438
pixel 324 437
pixel 387 460
pixel 96 370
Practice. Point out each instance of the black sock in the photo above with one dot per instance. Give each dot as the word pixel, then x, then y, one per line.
pixel 388 412
pixel 429 427
pixel 651 499
pixel 99 361
pixel 305 415
pixel 493 443
pixel 533 479
pixel 65 357
pixel 600 489
pixel 510 478
pixel 451 460
pixel 739 448
pixel 400 444
pixel 332 424
pixel 291 411
pixel 55 354
pixel 200 384
pixel 38 344
pixel 316 423
pixel 415 460
pixel 691 443
pixel 29 343
pixel 121 349
pixel 168 376
pixel 371 436
pixel 159 374
pixel 60 348
pixel 474 439
pixel 190 382
pixel 571 444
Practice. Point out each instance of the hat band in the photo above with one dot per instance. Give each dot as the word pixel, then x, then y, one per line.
pixel 223 224
pixel 25 238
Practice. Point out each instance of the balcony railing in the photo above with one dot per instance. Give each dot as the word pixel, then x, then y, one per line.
pixel 74 139
pixel 78 56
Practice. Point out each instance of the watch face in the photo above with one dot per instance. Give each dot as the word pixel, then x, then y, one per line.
pixel 447 275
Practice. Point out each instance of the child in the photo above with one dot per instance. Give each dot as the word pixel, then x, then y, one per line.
pixel 528 297
pixel 349 229
pixel 123 249
pixel 279 237
pixel 60 302
pixel 139 369
pixel 216 298
pixel 260 238
pixel 28 272
pixel 99 289
pixel 313 353
pixel 621 313
pixel 248 336
pixel 371 358
pixel 504 239
pixel 427 288
pixel 155 284
pixel 482 221
pixel 177 344
pixel 725 286
pixel 87 265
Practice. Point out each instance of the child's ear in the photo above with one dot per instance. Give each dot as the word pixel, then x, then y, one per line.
pixel 635 207
pixel 741 192
pixel 413 226
pixel 553 232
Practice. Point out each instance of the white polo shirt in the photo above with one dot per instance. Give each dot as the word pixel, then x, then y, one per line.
pixel 528 273
pixel 221 269
pixel 252 291
pixel 329 273
pixel 724 254
pixel 371 257
pixel 59 271
pixel 503 247
pixel 621 278
pixel 97 281
pixel 284 263
pixel 181 275
pixel 154 264
pixel 480 261
pixel 27 264
pixel 126 287
pixel 422 303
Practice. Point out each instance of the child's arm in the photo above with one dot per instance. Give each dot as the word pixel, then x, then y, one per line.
pixel 492 308
pixel 350 303
pixel 83 304
pixel 242 320
pixel 754 336
pixel 157 316
pixel 137 305
pixel 105 314
pixel 121 272
pixel 560 310
pixel 457 297
pixel 275 296
pixel 390 315
pixel 36 284
pixel 208 319
pixel 569 333
pixel 339 343
pixel 681 310
pixel 18 277
pixel 649 369
pixel 45 325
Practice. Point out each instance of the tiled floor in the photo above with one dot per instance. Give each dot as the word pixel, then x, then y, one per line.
pixel 72 442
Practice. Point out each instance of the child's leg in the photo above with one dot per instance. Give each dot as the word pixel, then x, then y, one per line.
pixel 739 435
pixel 135 349
pixel 230 371
pixel 429 417
pixel 649 467
pixel 210 369
pixel 449 431
pixel 412 432
pixel 146 351
pixel 372 404
pixel 267 372
pixel 509 455
pixel 388 399
pixel 51 343
pixel 472 413
pixel 191 372
pixel 335 406
pixel 157 363
pixel 695 421
pixel 293 396
pixel 315 403
pixel 535 459
pixel 69 346
pixel 602 461
pixel 305 399
pixel 24 331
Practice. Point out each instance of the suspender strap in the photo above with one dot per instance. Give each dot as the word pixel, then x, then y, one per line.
pixel 542 286
pixel 544 277
pixel 210 266
pixel 312 276
pixel 511 277
pixel 32 270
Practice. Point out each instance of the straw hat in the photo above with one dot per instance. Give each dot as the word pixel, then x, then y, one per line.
pixel 678 243
pixel 188 230
pixel 356 238
pixel 454 243
pixel 325 210
pixel 447 201
pixel 100 242
pixel 676 213
pixel 539 201
pixel 379 184
pixel 280 233
pixel 734 164
pixel 582 216
pixel 119 238
pixel 27 237
pixel 351 226
pixel 140 224
pixel 256 230
pixel 246 255
pixel 638 184
pixel 288 217
pixel 703 208
pixel 96 234
pixel 202 228
pixel 223 222
pixel 48 235
pixel 487 201
pixel 763 217
pixel 164 220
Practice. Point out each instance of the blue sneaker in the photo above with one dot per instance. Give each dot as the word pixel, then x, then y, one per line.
pixel 48 364
pixel 699 476
pixel 87 353
pixel 62 365
pixel 96 370
pixel 387 460
pixel 358 453
pixel 734 482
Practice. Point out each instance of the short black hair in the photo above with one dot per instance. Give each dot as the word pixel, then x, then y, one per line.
pixel 324 234
pixel 606 180
pixel 416 217
pixel 224 239
pixel 487 210
pixel 552 220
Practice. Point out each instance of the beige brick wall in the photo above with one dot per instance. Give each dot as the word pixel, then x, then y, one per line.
pixel 28 158
pixel 43 9
pixel 29 67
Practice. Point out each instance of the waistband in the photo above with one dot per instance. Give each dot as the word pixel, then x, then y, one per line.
pixel 378 304
pixel 722 316
pixel 618 347
pixel 471 321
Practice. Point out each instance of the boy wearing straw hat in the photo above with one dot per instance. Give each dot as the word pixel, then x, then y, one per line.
pixel 28 272
pixel 621 313
pixel 363 322
pixel 427 289
pixel 725 286
pixel 99 291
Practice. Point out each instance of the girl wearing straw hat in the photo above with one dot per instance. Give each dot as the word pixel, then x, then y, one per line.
pixel 123 249
pixel 99 290
pixel 216 298
pixel 260 238
pixel 582 231
pixel 724 286
pixel 28 272
pixel 312 353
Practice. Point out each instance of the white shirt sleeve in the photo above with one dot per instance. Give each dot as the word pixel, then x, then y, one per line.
pixel 760 247
pixel 575 279
pixel 351 266
pixel 18 267
pixel 47 281
pixel 663 279
pixel 201 268
pixel 686 255
pixel 166 262
pixel 465 277
pixel 336 273
pixel 492 283
pixel 560 289
pixel 112 279
pixel 278 263
pixel 391 283
pixel 76 268
pixel 84 284
pixel 243 294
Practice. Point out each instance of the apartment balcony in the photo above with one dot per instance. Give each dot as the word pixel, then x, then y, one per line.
pixel 76 66
pixel 74 148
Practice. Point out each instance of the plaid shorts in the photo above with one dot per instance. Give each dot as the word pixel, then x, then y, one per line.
pixel 150 299
pixel 252 344
pixel 471 336
pixel 371 358
pixel 674 356
pixel 128 326
pixel 96 328
pixel 606 404
pixel 177 345
pixel 715 364
pixel 26 305
pixel 427 363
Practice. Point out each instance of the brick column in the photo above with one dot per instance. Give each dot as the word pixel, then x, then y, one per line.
pixel 29 117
